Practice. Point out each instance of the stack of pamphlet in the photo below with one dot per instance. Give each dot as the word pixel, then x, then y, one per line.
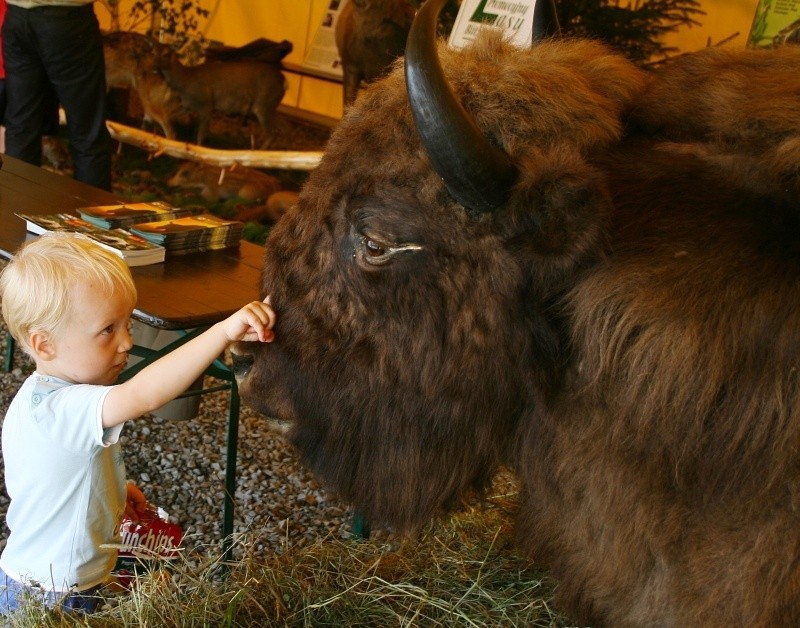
pixel 136 251
pixel 192 234
pixel 128 214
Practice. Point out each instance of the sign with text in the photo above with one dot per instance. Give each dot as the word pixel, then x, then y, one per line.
pixel 323 55
pixel 513 17
pixel 776 22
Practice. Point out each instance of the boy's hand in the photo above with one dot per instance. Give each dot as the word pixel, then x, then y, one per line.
pixel 137 508
pixel 253 322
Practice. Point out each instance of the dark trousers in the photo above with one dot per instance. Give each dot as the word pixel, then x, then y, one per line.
pixel 61 47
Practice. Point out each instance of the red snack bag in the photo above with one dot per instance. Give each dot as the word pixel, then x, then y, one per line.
pixel 149 543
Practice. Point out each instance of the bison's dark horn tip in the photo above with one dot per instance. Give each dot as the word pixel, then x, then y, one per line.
pixel 476 173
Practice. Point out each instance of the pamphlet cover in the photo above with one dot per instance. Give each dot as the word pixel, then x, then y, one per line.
pixel 136 251
pixel 192 234
pixel 127 214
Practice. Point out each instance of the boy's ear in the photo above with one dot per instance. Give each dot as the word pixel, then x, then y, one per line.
pixel 41 346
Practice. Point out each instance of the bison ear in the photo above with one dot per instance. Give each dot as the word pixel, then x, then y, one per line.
pixel 557 215
pixel 782 162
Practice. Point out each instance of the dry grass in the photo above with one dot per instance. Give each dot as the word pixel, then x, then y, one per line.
pixel 462 572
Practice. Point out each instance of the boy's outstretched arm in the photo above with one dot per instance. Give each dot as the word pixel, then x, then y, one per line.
pixel 168 377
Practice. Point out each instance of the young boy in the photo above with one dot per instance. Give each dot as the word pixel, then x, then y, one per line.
pixel 68 304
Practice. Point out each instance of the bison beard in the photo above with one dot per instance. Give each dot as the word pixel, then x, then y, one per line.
pixel 623 332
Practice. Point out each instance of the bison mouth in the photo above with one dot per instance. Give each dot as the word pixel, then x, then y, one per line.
pixel 242 363
pixel 276 410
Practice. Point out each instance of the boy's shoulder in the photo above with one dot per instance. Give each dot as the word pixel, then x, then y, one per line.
pixel 61 412
pixel 44 385
pixel 37 388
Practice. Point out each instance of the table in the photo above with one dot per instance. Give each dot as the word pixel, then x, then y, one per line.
pixel 190 292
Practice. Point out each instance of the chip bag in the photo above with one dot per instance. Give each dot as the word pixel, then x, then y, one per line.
pixel 148 543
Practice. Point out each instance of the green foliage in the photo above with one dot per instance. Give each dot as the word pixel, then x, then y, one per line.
pixel 636 29
pixel 255 232
pixel 178 19
pixel 176 22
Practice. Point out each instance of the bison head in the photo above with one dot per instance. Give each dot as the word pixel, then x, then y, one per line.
pixel 486 270
pixel 417 330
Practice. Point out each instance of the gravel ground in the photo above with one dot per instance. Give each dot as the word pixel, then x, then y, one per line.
pixel 180 466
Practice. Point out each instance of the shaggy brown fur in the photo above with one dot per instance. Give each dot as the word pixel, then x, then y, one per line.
pixel 624 332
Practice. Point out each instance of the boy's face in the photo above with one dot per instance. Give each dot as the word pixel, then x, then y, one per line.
pixel 91 346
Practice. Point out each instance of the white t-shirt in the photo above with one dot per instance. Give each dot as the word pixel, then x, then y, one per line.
pixel 66 479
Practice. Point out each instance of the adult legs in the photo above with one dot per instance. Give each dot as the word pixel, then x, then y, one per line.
pixel 50 105
pixel 26 84
pixel 72 51
pixel 69 53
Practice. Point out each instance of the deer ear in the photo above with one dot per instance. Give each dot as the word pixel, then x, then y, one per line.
pixel 558 212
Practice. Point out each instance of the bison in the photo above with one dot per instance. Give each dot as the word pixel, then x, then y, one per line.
pixel 552 261
pixel 370 34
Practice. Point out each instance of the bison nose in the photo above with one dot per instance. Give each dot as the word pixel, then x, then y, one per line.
pixel 242 363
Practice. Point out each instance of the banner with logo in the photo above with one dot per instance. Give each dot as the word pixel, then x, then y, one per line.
pixel 513 17
pixel 776 22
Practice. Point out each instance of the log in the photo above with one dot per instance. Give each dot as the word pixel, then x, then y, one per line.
pixel 277 159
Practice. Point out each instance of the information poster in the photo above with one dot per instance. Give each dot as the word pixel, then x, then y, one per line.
pixel 323 55
pixel 776 22
pixel 513 17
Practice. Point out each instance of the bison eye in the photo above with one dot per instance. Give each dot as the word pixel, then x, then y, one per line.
pixel 369 251
pixel 373 252
pixel 373 248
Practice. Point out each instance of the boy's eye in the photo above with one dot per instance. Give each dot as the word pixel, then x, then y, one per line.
pixel 109 330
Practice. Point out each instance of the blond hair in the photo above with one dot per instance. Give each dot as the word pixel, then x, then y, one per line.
pixel 36 284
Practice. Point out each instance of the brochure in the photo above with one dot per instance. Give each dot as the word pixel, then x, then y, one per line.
pixel 128 214
pixel 192 234
pixel 136 251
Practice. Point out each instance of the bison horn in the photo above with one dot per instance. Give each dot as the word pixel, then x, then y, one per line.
pixel 476 173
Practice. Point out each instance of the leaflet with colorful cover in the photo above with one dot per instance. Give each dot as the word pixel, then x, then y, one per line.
pixel 192 234
pixel 127 214
pixel 136 251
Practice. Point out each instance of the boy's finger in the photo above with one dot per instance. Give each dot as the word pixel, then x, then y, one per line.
pixel 259 320
pixel 266 315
